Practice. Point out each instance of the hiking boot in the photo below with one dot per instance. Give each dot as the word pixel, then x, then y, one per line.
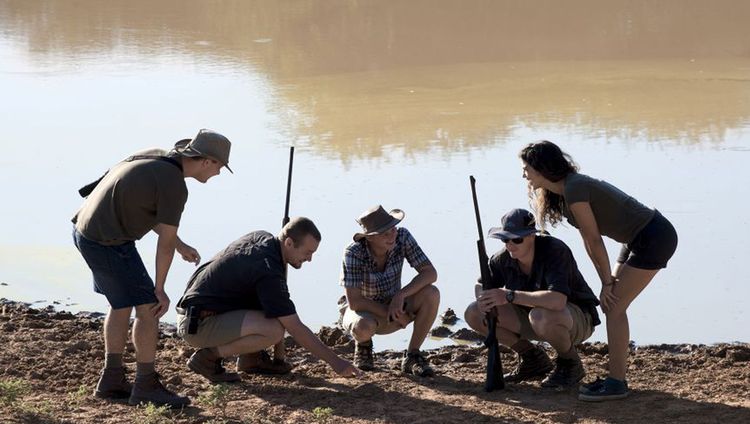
pixel 607 389
pixel 210 366
pixel 363 356
pixel 261 363
pixel 148 389
pixel 113 384
pixel 567 373
pixel 533 364
pixel 415 363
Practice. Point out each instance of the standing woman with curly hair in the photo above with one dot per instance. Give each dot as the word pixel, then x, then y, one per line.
pixel 597 208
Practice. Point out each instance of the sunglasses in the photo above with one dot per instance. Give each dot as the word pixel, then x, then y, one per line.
pixel 517 240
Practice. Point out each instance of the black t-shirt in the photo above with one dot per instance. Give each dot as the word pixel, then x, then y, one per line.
pixel 248 274
pixel 554 269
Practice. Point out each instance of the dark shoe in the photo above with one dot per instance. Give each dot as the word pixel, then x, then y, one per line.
pixel 208 365
pixel 415 363
pixel 593 386
pixel 148 389
pixel 113 384
pixel 363 356
pixel 567 373
pixel 608 389
pixel 261 363
pixel 534 364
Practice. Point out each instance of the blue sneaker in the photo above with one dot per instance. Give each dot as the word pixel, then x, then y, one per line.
pixel 593 386
pixel 608 389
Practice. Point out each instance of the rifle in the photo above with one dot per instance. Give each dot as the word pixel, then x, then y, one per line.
pixel 494 379
pixel 288 187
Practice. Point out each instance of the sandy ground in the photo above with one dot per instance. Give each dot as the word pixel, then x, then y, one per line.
pixel 49 364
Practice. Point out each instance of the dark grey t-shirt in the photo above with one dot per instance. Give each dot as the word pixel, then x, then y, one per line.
pixel 248 274
pixel 132 199
pixel 618 215
pixel 554 269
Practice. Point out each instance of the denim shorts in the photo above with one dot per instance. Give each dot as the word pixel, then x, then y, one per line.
pixel 119 273
pixel 652 247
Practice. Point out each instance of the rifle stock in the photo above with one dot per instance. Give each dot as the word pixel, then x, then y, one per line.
pixel 494 378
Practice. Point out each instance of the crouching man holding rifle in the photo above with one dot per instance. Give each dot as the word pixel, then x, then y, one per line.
pixel 538 294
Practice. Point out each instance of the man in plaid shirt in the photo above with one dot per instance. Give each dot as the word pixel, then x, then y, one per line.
pixel 376 302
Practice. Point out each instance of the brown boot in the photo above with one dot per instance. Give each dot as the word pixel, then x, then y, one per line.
pixel 261 363
pixel 205 363
pixel 148 389
pixel 113 384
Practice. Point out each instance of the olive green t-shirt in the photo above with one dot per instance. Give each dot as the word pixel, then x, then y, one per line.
pixel 132 199
pixel 618 215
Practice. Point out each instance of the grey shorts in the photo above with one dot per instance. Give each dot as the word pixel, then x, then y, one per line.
pixel 215 330
pixel 582 328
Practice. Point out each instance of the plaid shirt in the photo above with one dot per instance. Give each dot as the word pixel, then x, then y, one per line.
pixel 360 271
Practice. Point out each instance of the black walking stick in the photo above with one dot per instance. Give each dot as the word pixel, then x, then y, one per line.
pixel 494 379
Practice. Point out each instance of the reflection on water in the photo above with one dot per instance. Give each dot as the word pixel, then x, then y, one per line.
pixel 389 101
pixel 353 77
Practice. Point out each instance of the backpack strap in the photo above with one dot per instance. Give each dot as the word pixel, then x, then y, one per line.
pixel 88 188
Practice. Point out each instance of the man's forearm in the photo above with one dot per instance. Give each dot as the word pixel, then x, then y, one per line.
pixel 424 278
pixel 164 255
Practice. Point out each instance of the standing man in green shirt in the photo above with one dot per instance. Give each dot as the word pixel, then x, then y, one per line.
pixel 145 192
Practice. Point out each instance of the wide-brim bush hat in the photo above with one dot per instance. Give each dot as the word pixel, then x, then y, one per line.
pixel 377 221
pixel 514 224
pixel 206 143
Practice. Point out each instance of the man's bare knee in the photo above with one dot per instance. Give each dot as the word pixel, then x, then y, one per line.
pixel 432 294
pixel 472 316
pixel 364 329
pixel 144 313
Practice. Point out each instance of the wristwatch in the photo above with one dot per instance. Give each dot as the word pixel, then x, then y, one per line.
pixel 510 296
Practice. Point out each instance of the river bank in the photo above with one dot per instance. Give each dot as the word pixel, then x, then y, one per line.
pixel 50 360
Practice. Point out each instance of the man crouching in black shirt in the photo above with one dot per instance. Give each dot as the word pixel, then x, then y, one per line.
pixel 241 304
pixel 539 294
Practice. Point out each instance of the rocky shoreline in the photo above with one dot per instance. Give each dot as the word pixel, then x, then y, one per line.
pixel 49 363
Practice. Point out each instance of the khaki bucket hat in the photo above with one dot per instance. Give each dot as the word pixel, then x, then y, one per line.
pixel 206 143
pixel 376 221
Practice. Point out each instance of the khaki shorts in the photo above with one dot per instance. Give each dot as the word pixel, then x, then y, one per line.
pixel 581 330
pixel 351 318
pixel 213 331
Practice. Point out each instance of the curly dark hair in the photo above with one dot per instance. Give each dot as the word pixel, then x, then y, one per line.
pixel 554 164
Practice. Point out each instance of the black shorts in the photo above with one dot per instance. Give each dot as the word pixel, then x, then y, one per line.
pixel 652 247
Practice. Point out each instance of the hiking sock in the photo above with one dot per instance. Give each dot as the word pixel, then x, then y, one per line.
pixel 113 360
pixel 522 346
pixel 572 353
pixel 144 368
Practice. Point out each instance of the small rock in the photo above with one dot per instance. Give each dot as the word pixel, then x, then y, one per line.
pixel 739 355
pixel 467 334
pixel 333 336
pixel 449 317
pixel 441 331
